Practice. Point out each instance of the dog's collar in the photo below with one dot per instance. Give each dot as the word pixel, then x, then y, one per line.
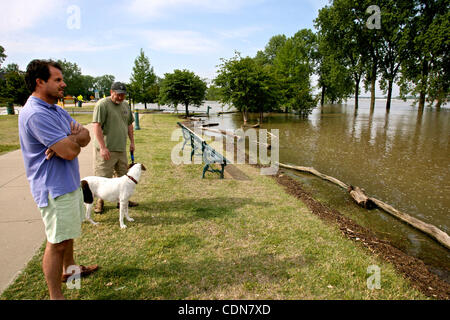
pixel 132 179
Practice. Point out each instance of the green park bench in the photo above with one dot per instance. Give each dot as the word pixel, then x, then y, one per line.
pixel 201 148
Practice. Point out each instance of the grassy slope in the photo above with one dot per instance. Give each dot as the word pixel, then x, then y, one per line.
pixel 214 239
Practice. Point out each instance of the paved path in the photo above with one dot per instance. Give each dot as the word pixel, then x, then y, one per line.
pixel 21 227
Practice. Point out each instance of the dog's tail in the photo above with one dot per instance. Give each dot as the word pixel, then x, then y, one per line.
pixel 87 193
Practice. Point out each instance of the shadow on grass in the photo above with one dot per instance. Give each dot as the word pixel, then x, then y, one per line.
pixel 208 278
pixel 185 210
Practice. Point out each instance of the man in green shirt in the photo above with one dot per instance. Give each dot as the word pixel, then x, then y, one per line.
pixel 113 123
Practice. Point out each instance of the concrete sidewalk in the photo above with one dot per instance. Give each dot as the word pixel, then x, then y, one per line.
pixel 21 226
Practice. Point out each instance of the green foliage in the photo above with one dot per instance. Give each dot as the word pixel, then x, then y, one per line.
pixel 425 72
pixel 72 77
pixel 143 80
pixel 334 78
pixel 247 85
pixel 103 84
pixel 271 50
pixel 13 88
pixel 342 32
pixel 293 66
pixel 392 50
pixel 182 87
pixel 213 93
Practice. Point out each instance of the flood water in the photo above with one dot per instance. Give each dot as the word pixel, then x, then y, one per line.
pixel 401 158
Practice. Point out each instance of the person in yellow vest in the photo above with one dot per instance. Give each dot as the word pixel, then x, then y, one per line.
pixel 80 100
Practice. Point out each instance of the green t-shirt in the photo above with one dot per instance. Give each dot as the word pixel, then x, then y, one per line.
pixel 114 120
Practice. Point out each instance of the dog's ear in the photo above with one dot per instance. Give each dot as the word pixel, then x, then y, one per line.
pixel 143 167
pixel 88 197
pixel 130 165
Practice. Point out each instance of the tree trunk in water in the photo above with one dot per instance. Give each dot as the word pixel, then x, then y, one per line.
pixel 356 93
pixel 372 88
pixel 438 104
pixel 322 100
pixel 244 115
pixel 389 97
pixel 187 109
pixel 423 84
pixel 421 100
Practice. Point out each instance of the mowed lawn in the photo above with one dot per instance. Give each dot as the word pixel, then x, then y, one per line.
pixel 9 131
pixel 196 238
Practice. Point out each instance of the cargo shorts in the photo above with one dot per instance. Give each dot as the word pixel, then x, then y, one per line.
pixel 118 164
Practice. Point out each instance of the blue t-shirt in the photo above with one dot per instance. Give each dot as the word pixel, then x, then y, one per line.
pixel 41 125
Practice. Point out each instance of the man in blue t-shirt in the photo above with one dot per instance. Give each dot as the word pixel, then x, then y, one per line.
pixel 50 141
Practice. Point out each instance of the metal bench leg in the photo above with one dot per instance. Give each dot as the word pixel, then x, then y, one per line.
pixel 205 168
pixel 221 172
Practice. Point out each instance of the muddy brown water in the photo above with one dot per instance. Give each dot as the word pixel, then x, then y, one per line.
pixel 401 157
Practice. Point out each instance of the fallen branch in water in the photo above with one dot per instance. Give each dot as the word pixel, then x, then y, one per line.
pixel 362 199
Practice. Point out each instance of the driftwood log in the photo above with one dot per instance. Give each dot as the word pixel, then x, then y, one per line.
pixel 427 228
pixel 359 195
pixel 363 200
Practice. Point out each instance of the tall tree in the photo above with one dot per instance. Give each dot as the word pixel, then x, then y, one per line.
pixel 335 80
pixel 392 49
pixel 341 28
pixel 182 87
pixel 293 65
pixel 426 70
pixel 142 80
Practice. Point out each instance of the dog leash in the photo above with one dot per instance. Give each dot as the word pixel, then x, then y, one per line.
pixel 132 162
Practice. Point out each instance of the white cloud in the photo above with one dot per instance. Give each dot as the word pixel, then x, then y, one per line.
pixel 243 32
pixel 30 44
pixel 160 8
pixel 179 42
pixel 19 15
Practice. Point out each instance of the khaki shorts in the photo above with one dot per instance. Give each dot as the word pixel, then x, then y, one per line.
pixel 118 164
pixel 63 216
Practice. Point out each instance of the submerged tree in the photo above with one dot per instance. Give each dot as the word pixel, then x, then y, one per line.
pixel 293 67
pixel 341 31
pixel 247 85
pixel 425 71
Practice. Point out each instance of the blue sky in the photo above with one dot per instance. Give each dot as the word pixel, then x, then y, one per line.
pixel 175 34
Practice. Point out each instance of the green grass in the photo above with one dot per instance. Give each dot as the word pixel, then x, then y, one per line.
pixel 208 238
pixel 71 109
pixel 9 131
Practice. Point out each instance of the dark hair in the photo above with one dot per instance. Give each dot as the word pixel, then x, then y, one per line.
pixel 39 69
